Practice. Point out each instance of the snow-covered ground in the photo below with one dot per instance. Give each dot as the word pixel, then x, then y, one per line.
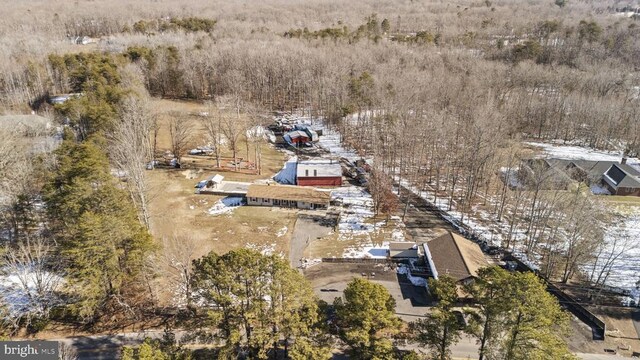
pixel 415 280
pixel 569 152
pixel 355 209
pixel 226 205
pixel 19 291
pixel 332 142
pixel 368 252
pixel 622 240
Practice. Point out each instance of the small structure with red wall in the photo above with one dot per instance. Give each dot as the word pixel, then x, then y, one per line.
pixel 325 172
pixel 296 138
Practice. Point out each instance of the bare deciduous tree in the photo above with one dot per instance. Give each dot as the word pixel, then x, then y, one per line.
pixel 180 133
pixel 178 255
pixel 233 127
pixel 38 277
pixel 132 150
pixel 213 125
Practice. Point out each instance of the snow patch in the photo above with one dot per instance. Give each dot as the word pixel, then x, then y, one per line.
pixel 267 250
pixel 415 280
pixel 282 232
pixel 569 152
pixel 226 205
pixel 20 291
pixel 368 252
pixel 597 189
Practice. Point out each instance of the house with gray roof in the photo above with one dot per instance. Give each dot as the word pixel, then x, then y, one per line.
pixel 620 181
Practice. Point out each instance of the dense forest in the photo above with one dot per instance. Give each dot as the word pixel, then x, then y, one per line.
pixel 441 95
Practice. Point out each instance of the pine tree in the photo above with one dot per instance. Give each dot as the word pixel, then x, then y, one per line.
pixel 536 324
pixel 103 245
pixel 440 329
pixel 486 322
pixel 366 319
pixel 255 301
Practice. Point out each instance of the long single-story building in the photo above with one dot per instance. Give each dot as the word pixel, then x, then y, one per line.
pixel 326 172
pixel 287 196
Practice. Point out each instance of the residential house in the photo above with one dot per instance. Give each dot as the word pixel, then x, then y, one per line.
pixel 620 181
pixel 325 172
pixel 543 173
pixel 287 196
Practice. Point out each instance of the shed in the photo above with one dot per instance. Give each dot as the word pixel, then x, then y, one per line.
pixel 296 138
pixel 325 172
pixel 403 250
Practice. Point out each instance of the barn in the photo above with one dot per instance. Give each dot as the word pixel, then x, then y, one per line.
pixel 324 172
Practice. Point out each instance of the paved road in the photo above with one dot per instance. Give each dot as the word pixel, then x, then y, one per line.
pixel 107 347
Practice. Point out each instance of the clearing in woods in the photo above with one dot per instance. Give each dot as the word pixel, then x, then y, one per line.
pixel 177 211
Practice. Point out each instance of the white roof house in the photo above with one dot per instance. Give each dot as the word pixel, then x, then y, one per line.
pixel 319 168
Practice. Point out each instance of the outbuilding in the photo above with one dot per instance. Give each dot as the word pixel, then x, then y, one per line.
pixel 403 250
pixel 296 138
pixel 325 172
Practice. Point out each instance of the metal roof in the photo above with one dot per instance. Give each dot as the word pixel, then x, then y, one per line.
pixel 319 168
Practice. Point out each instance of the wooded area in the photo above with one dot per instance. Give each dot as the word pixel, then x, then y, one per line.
pixel 441 95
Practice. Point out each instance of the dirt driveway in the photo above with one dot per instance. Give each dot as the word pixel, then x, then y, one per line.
pixel 308 227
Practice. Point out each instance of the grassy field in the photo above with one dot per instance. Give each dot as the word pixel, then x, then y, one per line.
pixel 176 211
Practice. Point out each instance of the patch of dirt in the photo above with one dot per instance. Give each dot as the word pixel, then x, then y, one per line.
pixel 620 335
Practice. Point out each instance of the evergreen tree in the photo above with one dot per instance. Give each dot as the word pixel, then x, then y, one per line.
pixel 256 301
pixel 440 329
pixel 366 319
pixel 536 325
pixel 486 322
pixel 103 245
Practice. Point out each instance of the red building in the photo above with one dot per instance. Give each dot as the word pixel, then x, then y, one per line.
pixel 324 172
pixel 296 138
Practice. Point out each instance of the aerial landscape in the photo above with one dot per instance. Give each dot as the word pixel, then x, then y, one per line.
pixel 320 179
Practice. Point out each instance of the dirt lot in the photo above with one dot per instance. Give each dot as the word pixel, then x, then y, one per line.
pixel 188 111
pixel 308 228
pixel 621 334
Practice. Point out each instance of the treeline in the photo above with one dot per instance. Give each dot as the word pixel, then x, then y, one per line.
pixel 255 306
pixel 372 29
pixel 79 231
pixel 190 24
